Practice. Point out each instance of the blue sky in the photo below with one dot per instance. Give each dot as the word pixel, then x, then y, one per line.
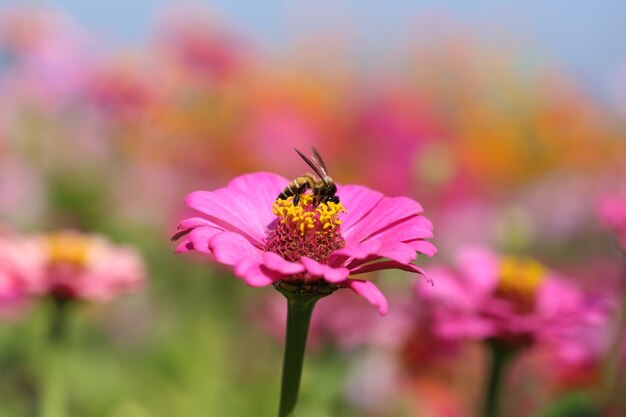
pixel 586 37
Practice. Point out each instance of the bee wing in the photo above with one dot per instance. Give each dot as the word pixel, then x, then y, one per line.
pixel 321 172
pixel 319 161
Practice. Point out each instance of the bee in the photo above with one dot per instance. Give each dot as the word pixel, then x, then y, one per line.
pixel 324 189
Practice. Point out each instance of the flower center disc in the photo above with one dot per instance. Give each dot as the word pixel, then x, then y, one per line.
pixel 519 280
pixel 305 230
pixel 68 248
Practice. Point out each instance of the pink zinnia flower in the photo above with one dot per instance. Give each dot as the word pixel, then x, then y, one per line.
pixel 515 301
pixel 71 265
pixel 269 241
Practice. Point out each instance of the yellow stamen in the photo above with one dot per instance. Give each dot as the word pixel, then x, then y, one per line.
pixel 519 280
pixel 325 215
pixel 69 248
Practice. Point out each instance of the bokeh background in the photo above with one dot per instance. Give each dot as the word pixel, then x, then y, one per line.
pixel 507 122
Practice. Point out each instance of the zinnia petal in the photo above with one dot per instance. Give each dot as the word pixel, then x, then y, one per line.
pixel 479 268
pixel 371 251
pixel 387 212
pixel 252 272
pixel 397 251
pixel 277 263
pixel 370 292
pixel 200 237
pixel 260 190
pixel 423 246
pixel 408 228
pixel 184 246
pixel 231 248
pixel 236 208
pixel 327 272
pixel 359 201
pixel 360 251
pixel 449 291
pixel 377 266
pixel 194 222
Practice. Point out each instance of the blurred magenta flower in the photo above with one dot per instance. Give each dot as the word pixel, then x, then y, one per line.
pixel 269 241
pixel 515 301
pixel 70 265
pixel 13 293
pixel 612 213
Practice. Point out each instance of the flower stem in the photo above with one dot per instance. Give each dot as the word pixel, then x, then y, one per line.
pixel 53 380
pixel 300 304
pixel 499 360
pixel 612 375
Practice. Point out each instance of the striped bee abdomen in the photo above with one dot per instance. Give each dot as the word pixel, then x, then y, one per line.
pixel 297 187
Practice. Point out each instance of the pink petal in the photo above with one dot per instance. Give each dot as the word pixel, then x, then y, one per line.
pixel 254 275
pixel 266 269
pixel 423 246
pixel 231 248
pixel 358 201
pixel 329 273
pixel 409 228
pixel 194 222
pixel 238 207
pixel 200 237
pixel 279 264
pixel 261 189
pixel 184 246
pixel 377 266
pixel 372 251
pixel 386 213
pixel 449 291
pixel 397 251
pixel 479 268
pixel 371 293
pixel 557 297
pixel 360 251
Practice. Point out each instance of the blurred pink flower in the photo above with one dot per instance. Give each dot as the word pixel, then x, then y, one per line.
pixel 269 241
pixel 12 288
pixel 513 300
pixel 71 265
pixel 612 213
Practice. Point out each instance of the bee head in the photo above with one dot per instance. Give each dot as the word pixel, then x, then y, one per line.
pixel 330 189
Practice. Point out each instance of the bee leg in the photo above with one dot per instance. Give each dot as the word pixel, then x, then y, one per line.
pixel 301 189
pixel 316 197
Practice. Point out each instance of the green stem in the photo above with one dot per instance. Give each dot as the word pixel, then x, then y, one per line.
pixel 53 378
pixel 612 375
pixel 300 304
pixel 500 358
